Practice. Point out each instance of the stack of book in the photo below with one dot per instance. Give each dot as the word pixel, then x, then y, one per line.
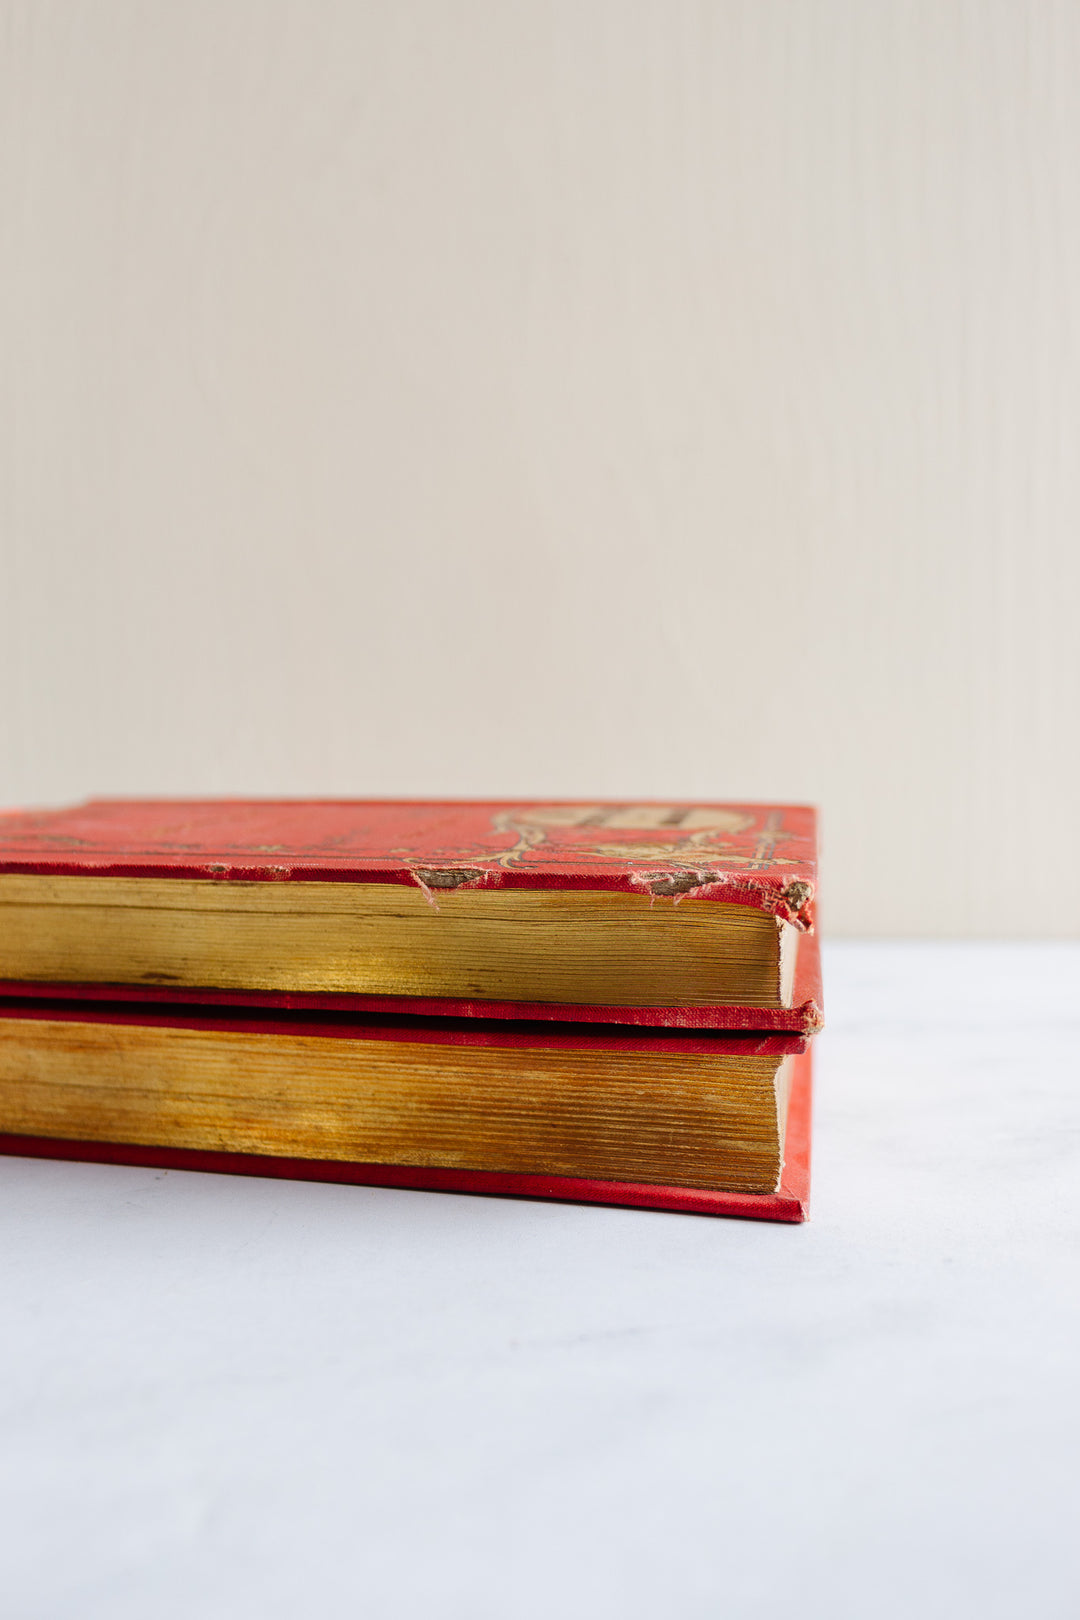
pixel 601 1002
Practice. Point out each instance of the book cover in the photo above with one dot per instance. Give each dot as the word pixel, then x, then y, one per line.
pixel 755 855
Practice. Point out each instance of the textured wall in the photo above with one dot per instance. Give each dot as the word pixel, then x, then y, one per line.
pixel 557 399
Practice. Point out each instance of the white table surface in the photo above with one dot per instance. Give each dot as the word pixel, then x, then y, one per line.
pixel 229 1397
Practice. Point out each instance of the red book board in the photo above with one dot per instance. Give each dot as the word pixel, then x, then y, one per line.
pixel 756 855
pixel 411 1027
pixel 790 1203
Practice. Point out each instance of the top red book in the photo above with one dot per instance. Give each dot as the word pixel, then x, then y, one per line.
pixel 653 913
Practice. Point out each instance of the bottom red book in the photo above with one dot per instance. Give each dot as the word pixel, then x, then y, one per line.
pixel 700 1123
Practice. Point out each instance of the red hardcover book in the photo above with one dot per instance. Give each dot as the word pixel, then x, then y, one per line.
pixel 53 1081
pixel 752 867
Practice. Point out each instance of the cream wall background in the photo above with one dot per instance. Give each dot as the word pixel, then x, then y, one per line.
pixel 643 399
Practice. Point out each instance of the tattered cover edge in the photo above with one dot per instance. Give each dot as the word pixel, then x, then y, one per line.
pixel 758 855
pixel 803 1017
pixel 789 1204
